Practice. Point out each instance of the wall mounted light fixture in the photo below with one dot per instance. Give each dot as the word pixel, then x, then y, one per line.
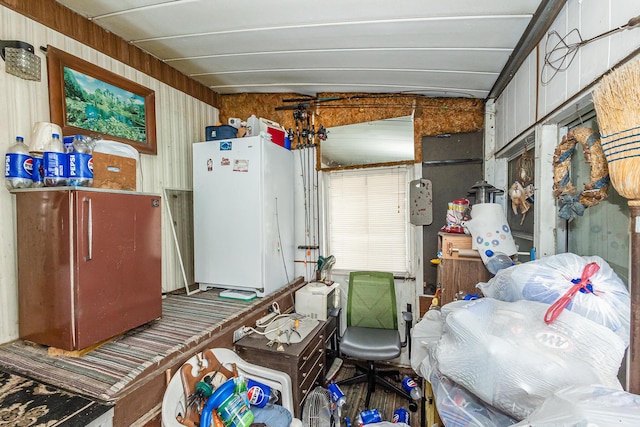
pixel 20 59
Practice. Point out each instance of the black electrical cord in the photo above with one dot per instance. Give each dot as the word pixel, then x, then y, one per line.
pixel 561 55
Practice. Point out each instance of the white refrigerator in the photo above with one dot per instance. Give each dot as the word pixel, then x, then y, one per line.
pixel 243 192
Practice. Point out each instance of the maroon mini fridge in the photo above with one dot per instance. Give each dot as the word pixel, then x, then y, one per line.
pixel 89 264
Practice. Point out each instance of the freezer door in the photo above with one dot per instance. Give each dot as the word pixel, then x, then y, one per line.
pixel 227 213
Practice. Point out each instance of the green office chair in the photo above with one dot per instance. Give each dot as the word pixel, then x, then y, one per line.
pixel 372 330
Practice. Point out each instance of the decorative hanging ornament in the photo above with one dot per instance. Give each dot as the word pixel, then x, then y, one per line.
pixel 571 203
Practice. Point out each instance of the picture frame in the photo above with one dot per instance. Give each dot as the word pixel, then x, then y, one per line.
pixel 89 100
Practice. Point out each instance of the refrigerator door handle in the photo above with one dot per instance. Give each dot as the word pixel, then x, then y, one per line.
pixel 89 229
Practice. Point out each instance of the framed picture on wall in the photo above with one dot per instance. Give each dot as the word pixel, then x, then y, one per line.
pixel 89 100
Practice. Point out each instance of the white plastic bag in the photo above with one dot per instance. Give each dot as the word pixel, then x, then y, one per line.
pixel 117 149
pixel 587 406
pixel 505 354
pixel 547 279
pixel 424 336
pixel 459 408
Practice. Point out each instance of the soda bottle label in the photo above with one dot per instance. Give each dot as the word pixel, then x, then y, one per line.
pixel 18 165
pixel 370 416
pixel 55 164
pixel 38 170
pixel 336 393
pixel 258 393
pixel 81 165
pixel 401 415
pixel 408 384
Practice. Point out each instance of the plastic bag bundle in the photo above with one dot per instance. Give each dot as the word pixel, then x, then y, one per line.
pixel 459 408
pixel 424 337
pixel 506 354
pixel 547 279
pixel 588 406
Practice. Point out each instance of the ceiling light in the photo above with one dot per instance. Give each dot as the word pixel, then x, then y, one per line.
pixel 20 59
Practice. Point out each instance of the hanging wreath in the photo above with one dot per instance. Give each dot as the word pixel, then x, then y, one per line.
pixel 571 203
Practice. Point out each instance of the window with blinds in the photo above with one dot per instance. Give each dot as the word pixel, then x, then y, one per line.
pixel 367 219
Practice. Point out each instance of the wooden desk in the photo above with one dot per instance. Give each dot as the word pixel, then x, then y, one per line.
pixel 304 361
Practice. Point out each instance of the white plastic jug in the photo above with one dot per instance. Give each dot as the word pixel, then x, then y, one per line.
pixel 253 126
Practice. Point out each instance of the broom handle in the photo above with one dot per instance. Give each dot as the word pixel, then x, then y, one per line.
pixel 633 374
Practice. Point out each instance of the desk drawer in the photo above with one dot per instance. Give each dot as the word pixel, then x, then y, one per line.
pixel 311 377
pixel 308 358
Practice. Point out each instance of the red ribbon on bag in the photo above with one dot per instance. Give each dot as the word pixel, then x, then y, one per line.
pixel 556 308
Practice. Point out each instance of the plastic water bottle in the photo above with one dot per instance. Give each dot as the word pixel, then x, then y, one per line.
pixel 81 162
pixel 497 261
pixel 412 388
pixel 261 395
pixel 56 163
pixel 368 417
pixel 18 165
pixel 253 126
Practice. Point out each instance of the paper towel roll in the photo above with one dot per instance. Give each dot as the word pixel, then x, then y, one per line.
pixel 41 134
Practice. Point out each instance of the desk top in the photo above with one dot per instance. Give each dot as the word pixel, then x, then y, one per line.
pixel 258 342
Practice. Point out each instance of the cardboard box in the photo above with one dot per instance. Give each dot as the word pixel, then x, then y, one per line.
pixel 114 172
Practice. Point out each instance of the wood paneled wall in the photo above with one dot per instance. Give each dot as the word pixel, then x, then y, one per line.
pixel 77 27
pixel 432 116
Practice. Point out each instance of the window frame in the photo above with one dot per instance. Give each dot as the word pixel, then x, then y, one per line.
pixel 409 243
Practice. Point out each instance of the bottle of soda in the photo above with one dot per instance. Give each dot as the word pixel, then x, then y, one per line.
pixel 368 417
pixel 261 395
pixel 81 162
pixel 56 163
pixel 338 398
pixel 18 166
pixel 401 415
pixel 412 388
pixel 38 170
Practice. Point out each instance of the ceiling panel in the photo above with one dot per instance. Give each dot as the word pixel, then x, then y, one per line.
pixel 472 60
pixel 428 47
pixel 461 81
pixel 491 33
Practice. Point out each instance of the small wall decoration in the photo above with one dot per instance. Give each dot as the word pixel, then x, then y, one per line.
pixel 86 99
pixel 572 203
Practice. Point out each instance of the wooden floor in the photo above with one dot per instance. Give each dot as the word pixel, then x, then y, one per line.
pixel 382 400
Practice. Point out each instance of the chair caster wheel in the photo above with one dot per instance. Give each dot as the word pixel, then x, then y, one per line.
pixel 413 406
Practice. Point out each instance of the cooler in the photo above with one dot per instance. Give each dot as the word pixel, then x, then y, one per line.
pixel 275 130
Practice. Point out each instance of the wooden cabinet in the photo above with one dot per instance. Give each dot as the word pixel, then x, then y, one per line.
pixel 304 362
pixel 458 271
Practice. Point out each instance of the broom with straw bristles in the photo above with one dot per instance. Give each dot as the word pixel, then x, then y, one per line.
pixel 617 104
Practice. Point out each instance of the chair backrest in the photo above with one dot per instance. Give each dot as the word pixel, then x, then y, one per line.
pixel 372 300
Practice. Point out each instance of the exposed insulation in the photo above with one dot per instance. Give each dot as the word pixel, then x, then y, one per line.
pixel 432 116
